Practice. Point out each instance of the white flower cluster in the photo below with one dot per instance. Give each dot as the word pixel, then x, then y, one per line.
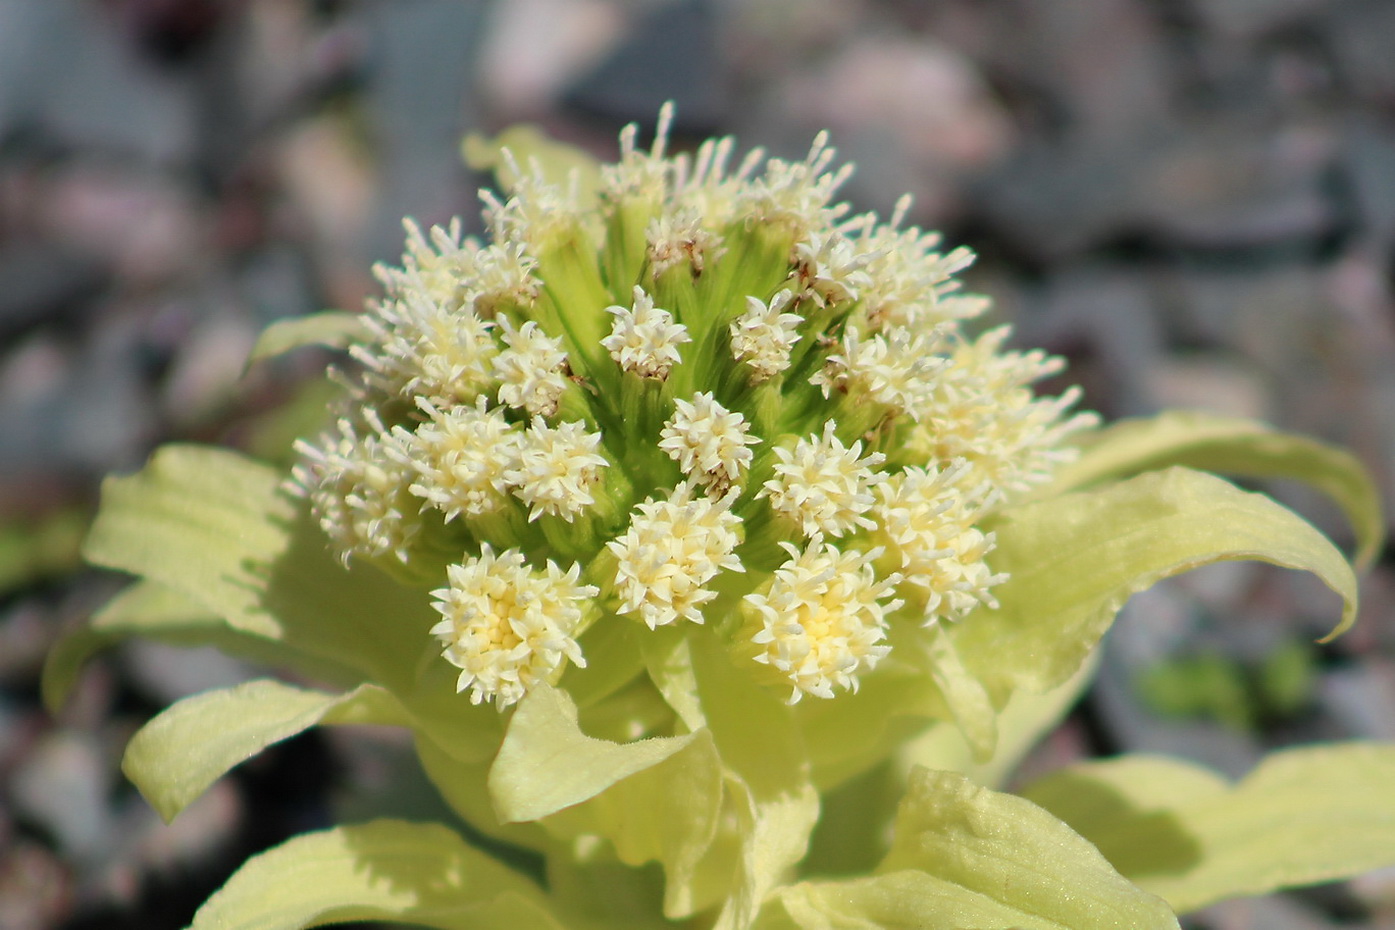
pixel 824 487
pixel 507 625
pixel 763 336
pixel 672 549
pixel 822 619
pixel 708 441
pixel 712 394
pixel 644 339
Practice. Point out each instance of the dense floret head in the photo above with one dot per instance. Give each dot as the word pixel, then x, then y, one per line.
pixel 702 400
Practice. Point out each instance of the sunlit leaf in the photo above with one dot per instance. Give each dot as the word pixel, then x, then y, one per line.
pixel 773 835
pixel 851 836
pixel 215 528
pixel 667 814
pixel 546 763
pixel 1075 559
pixel 176 756
pixel 1181 831
pixel 607 894
pixel 1236 446
pixel 968 700
pixel 770 786
pixel 846 736
pixel 613 659
pixel 1022 722
pixel 199 521
pixel 465 787
pixel 332 329
pixel 669 660
pixel 419 874
pixel 468 732
pixel 654 799
pixel 965 856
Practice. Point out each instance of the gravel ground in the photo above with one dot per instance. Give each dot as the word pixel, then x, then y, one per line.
pixel 1193 200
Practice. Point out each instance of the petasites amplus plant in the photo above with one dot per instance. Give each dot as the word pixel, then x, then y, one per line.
pixel 692 519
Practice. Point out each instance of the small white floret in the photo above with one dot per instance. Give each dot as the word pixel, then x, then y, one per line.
pixel 824 486
pixel 822 620
pixel 508 626
pixel 556 469
pixel 926 518
pixel 708 442
pixel 357 484
pixel 460 456
pixel 670 552
pixel 644 339
pixel 763 336
pixel 530 369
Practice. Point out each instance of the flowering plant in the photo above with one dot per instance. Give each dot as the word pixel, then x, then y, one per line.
pixel 691 522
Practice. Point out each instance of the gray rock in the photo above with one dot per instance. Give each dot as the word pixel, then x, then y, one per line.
pixel 88 87
pixel 1361 699
pixel 26 633
pixel 420 107
pixel 672 53
pixel 1272 316
pixel 35 886
pixel 63 786
pixel 1115 316
pixel 1091 71
pixel 105 418
pixel 150 227
pixel 1135 729
pixel 1368 157
pixel 31 34
pixel 1273 912
pixel 1223 185
pixel 206 373
pixel 1252 18
pixel 167 673
pixel 1151 627
pixel 45 284
pixel 151 848
pixel 1359 34
pixel 1053 201
pixel 277 282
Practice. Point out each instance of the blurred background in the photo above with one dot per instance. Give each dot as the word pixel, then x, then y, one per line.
pixel 1192 200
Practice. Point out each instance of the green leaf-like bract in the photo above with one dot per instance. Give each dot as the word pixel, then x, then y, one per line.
pixel 1184 833
pixel 1234 446
pixel 228 558
pixel 546 763
pixel 333 329
pixel 199 521
pixel 421 874
pixel 654 799
pixel 965 856
pixel 215 528
pixel 1074 559
pixel 153 611
pixel 175 757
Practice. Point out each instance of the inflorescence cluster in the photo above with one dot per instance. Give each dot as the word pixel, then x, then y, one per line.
pixel 705 395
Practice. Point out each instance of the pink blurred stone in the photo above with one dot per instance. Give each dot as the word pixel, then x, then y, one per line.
pixel 35 887
pixel 916 114
pixel 149 228
pixel 536 48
